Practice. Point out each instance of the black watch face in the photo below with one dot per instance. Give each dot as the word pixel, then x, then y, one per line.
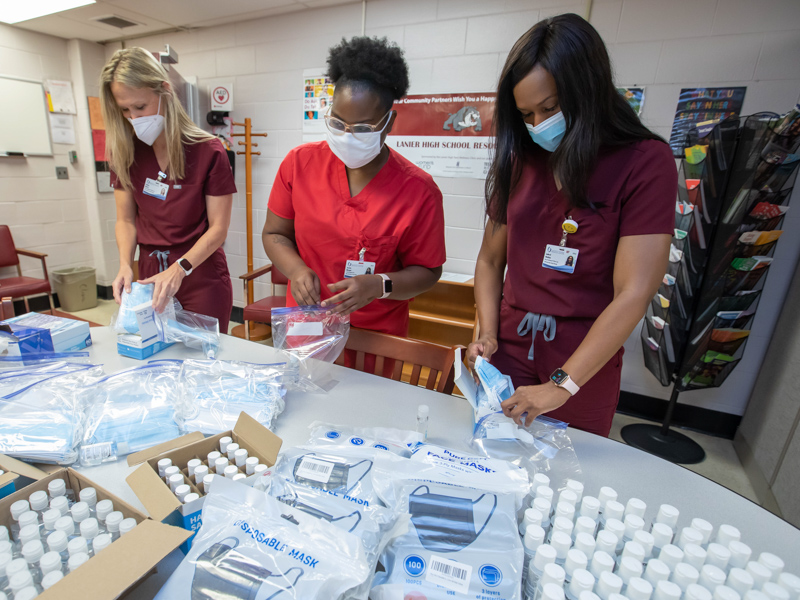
pixel 387 286
pixel 559 377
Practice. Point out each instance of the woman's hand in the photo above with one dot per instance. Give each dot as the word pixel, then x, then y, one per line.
pixel 484 346
pixel 534 400
pixel 122 282
pixel 354 293
pixel 167 283
pixel 305 287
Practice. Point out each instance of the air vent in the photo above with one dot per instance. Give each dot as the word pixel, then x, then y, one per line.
pixel 115 21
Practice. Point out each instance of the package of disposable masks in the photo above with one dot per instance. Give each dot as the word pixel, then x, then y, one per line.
pixel 253 547
pixel 397 441
pixel 493 388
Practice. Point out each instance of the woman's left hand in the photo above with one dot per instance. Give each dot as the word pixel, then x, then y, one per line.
pixel 167 283
pixel 354 293
pixel 534 400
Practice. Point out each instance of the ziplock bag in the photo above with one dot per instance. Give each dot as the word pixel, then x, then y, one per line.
pixel 253 547
pixel 193 330
pixel 345 471
pixel 306 332
pixel 125 320
pixel 215 392
pixel 132 410
pixel 397 441
pixel 462 541
pixel 544 447
pixel 43 422
pixel 20 377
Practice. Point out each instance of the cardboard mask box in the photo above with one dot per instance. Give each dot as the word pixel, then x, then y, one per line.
pixel 132 346
pixel 13 469
pixel 128 560
pixel 159 500
pixel 32 333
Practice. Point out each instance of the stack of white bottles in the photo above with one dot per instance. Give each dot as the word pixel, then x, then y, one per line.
pixel 230 461
pixel 591 548
pixel 52 535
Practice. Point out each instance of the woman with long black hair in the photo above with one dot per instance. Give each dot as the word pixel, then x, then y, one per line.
pixel 580 198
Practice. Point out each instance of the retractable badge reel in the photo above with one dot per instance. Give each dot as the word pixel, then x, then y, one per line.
pixel 157 188
pixel 562 258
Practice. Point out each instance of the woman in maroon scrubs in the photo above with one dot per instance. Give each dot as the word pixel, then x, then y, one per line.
pixel 173 187
pixel 581 200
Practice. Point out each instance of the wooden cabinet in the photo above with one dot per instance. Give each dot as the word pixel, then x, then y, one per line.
pixel 445 314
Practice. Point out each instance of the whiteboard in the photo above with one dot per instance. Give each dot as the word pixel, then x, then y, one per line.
pixel 23 117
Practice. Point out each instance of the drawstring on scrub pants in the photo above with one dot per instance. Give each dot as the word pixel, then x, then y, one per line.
pixel 161 257
pixel 533 323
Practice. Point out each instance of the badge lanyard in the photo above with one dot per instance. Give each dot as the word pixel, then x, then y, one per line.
pixel 561 258
pixel 360 266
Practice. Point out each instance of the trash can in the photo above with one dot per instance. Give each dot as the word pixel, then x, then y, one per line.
pixel 76 288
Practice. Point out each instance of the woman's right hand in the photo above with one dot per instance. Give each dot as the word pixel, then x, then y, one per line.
pixel 305 287
pixel 122 282
pixel 484 346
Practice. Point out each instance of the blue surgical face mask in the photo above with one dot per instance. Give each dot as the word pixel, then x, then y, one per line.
pixel 548 134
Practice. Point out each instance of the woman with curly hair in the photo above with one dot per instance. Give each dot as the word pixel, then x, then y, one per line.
pixel 352 224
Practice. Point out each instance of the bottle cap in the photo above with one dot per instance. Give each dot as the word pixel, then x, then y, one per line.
pixel 666 590
pixel 563 524
pixel 57 541
pixel 32 551
pixel 543 506
pixel 127 525
pixel 545 554
pixel 162 465
pixel 585 543
pixel 191 497
pixel 28 518
pixel 584 525
pixel 588 596
pixel 239 477
pixel 50 561
pixel 582 581
pixel 250 464
pixel 101 541
pixel 89 495
pixel 646 540
pixel 553 573
pixel 711 577
pixel 27 593
pixel 52 578
pixel 182 491
pixel 727 534
pixel 422 411
pixel 790 583
pixel 66 525
pixel 561 542
pixel 212 457
pixel 576 487
pixel 260 469
pixel 231 449
pixel 755 595
pixel 718 555
pixel 607 542
pixel 695 556
pixel 575 560
pixel 759 572
pixel 617 597
pixel 56 488
pixel 19 581
pixel 565 510
pixel 113 520
pixel 230 471
pixel 740 554
pixel 668 515
pixel 90 528
pixel 629 567
pixel 175 481
pixel 192 465
pixel 531 516
pixel 690 535
pixel 16 566
pixel 77 560
pixel 540 479
pixel 29 533
pixel 684 574
pixel 223 443
pixel 61 504
pixel 6 548
pixel 39 500
pixel 534 537
pixel 723 592
pixel 633 523
pixel 616 527
pixel 590 507
pixel 696 591
pixel 221 464
pixel 640 589
pixel 240 456
pixel 170 471
pixel 77 545
pixel 773 562
pixel 605 494
pixel 740 581
pixel 634 550
pixel 705 528
pixel 671 555
pixel 199 473
pixel 3 533
pixel 601 562
pixel 80 511
pixel 545 492
pixel 49 518
pixel 104 508
pixel 662 534
pixel 19 508
pixel 207 481
pixel 551 591
pixel 608 583
pixel 775 592
pixel 656 571
pixel 569 497
pixel 635 507
pixel 613 510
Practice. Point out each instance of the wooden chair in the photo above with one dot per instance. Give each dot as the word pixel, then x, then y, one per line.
pixel 261 311
pixel 20 286
pixel 6 309
pixel 404 351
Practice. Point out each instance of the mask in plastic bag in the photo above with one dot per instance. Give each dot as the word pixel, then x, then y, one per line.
pixel 253 547
pixel 125 321
pixel 214 393
pixel 14 379
pixel 495 387
pixel 133 410
pixel 543 447
pixel 193 330
pixel 397 441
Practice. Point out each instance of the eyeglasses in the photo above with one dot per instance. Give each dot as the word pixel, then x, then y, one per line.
pixel 339 127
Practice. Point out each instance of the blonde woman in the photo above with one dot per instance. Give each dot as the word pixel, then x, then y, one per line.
pixel 173 188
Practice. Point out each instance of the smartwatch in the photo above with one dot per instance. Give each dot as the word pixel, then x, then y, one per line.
pixel 562 380
pixel 185 265
pixel 387 285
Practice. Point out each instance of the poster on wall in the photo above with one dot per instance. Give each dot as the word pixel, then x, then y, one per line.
pixel 697 105
pixel 447 135
pixel 634 97
pixel 317 96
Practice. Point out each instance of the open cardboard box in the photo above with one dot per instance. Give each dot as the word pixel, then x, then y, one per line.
pixel 119 567
pixel 13 469
pixel 156 495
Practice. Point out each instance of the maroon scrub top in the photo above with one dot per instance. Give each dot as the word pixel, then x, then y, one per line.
pixel 633 189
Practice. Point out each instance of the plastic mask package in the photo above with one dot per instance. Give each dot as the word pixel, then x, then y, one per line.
pixel 253 547
pixel 140 297
pixel 14 379
pixel 132 410
pixel 397 441
pixel 215 392
pixel 495 387
pixel 344 471
pixel 310 332
pixel 544 447
pixel 193 330
pixel 463 539
pixel 44 421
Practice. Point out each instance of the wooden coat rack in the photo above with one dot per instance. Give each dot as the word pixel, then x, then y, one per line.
pixel 258 331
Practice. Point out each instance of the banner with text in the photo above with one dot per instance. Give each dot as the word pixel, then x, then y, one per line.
pixel 447 135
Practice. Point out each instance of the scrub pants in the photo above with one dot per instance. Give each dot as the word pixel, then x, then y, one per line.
pixel 207 291
pixel 592 408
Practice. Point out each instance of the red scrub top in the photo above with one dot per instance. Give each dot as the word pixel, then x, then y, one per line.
pixel 633 188
pixel 398 217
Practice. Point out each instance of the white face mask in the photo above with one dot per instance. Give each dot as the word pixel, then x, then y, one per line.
pixel 149 128
pixel 355 152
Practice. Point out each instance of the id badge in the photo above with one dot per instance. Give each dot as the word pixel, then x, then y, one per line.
pixel 156 189
pixel 560 258
pixel 358 267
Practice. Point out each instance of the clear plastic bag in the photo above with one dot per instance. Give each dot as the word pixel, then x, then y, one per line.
pixel 397 441
pixel 43 421
pixel 215 392
pixel 190 329
pixel 13 379
pixel 132 410
pixel 140 296
pixel 310 332
pixel 252 546
pixel 544 447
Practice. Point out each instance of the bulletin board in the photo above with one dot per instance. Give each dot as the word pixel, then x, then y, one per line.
pixel 23 118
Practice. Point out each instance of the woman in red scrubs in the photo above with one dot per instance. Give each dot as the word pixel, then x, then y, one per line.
pixel 352 224
pixel 173 187
pixel 581 200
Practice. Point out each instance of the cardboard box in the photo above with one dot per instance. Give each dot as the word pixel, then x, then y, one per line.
pixel 132 346
pixel 13 469
pixel 32 333
pixel 155 494
pixel 119 567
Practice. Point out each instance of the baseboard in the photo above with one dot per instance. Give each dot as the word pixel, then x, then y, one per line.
pixel 757 478
pixel 694 418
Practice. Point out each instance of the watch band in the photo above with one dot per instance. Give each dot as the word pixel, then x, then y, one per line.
pixel 570 386
pixel 387 285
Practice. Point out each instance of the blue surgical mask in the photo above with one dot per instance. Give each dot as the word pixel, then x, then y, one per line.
pixel 548 134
